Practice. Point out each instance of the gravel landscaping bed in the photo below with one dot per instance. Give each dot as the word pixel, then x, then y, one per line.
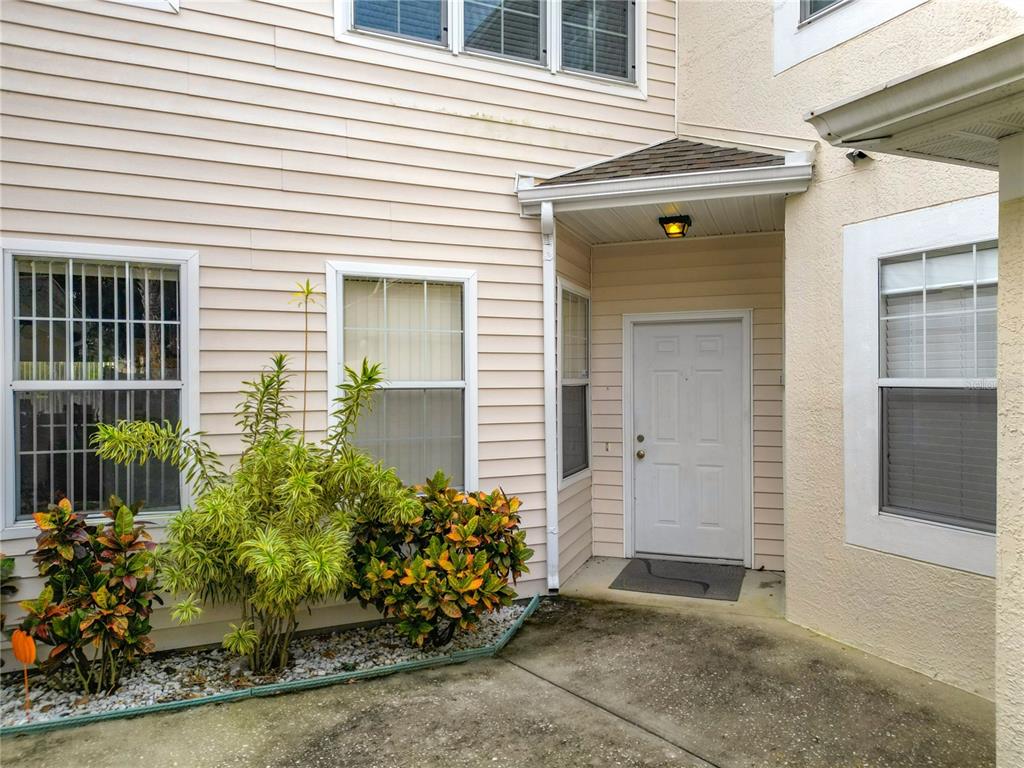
pixel 196 674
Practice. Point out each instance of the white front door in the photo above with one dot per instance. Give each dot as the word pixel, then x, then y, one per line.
pixel 688 446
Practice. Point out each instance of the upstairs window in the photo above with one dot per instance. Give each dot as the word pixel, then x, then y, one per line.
pixel 425 20
pixel 809 8
pixel 512 28
pixel 597 37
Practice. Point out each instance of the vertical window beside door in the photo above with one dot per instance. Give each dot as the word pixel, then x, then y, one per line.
pixel 575 387
pixel 94 341
pixel 937 372
pixel 415 329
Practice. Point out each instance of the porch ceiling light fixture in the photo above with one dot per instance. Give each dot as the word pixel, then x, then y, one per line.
pixel 675 226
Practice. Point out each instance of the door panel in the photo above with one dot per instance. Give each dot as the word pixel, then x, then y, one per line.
pixel 689 496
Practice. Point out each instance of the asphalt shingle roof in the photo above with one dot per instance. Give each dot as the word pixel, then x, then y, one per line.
pixel 668 157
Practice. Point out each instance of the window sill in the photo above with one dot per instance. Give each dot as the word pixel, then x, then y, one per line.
pixel 167 6
pixel 931 542
pixel 565 482
pixel 25 530
pixel 486 63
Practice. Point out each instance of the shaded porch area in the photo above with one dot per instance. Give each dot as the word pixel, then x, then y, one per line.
pixel 684 350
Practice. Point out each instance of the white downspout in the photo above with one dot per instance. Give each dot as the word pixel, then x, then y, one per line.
pixel 547 232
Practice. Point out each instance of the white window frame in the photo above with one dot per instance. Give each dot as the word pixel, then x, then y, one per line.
pixel 865 245
pixel 453 51
pixel 187 261
pixel 167 6
pixel 570 287
pixel 796 39
pixel 337 271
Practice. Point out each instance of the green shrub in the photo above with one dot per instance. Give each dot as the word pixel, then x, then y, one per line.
pixel 273 534
pixel 100 586
pixel 440 572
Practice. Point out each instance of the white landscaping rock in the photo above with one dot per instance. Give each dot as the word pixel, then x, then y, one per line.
pixel 193 674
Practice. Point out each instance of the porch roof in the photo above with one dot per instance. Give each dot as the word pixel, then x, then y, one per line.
pixel 956 111
pixel 726 188
pixel 666 158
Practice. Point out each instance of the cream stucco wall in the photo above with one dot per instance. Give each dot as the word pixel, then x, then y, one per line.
pixel 1010 553
pixel 930 618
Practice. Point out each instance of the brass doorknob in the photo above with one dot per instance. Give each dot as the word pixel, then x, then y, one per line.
pixel 641 453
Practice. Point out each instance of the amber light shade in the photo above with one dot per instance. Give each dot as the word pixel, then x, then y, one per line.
pixel 675 226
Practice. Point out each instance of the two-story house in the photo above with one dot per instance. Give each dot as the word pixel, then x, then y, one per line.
pixel 604 259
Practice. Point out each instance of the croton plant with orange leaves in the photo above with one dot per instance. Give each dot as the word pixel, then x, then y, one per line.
pixel 442 572
pixel 100 586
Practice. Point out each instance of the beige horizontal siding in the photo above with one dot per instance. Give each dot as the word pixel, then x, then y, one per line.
pixel 744 272
pixel 575 517
pixel 245 131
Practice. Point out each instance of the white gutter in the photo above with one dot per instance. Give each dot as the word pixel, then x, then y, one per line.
pixel 547 233
pixel 984 74
pixel 794 176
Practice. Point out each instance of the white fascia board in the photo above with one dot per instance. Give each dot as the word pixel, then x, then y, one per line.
pixel 968 80
pixel 792 177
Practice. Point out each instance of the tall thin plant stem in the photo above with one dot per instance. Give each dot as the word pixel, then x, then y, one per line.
pixel 305 296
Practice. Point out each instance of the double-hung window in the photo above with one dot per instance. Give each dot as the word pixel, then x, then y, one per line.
pixel 419 327
pixel 919 383
pixel 597 37
pixel 95 338
pixel 574 371
pixel 424 20
pixel 511 28
pixel 582 37
pixel 937 372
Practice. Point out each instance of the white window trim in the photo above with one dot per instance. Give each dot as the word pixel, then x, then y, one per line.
pixel 189 354
pixel 453 52
pixel 167 6
pixel 864 244
pixel 583 474
pixel 336 271
pixel 795 41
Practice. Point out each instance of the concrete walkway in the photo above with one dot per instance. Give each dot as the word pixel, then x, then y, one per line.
pixel 586 683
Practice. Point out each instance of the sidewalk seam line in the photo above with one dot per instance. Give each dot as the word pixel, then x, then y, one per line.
pixel 612 712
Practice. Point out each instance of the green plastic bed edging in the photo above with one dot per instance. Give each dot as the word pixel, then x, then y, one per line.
pixel 272 689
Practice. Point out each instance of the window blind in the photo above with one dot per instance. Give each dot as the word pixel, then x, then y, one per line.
pixel 511 28
pixel 939 454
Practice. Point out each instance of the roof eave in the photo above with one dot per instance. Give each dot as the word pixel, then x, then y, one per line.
pixel 794 176
pixel 949 90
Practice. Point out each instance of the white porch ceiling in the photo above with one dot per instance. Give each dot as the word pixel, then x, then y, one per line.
pixel 721 216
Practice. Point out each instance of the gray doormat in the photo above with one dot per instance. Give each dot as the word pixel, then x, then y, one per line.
pixel 670 577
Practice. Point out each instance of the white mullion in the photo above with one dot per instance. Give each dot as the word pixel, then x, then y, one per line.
pixel 57 385
pixel 937 383
pixel 117 328
pixel 424 384
pixel 424 350
pixel 554 12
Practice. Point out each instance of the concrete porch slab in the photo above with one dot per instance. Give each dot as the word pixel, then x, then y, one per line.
pixel 763 592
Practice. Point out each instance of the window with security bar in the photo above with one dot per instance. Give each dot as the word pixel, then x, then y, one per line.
pixel 415 329
pixel 937 373
pixel 95 341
